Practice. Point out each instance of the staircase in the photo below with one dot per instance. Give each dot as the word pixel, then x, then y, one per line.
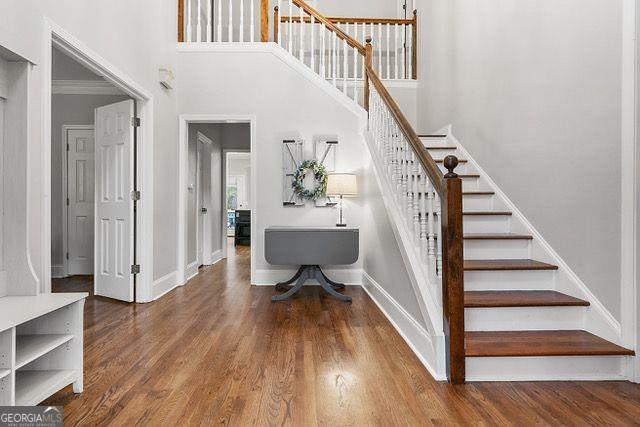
pixel 518 325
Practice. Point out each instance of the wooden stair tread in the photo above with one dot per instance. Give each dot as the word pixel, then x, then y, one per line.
pixel 473 175
pixel 506 264
pixel 432 136
pixel 459 161
pixel 441 148
pixel 497 236
pixel 539 343
pixel 487 213
pixel 494 299
pixel 478 193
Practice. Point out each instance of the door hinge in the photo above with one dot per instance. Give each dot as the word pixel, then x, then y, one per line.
pixel 67 201
pixel 135 269
pixel 67 146
pixel 135 195
pixel 67 255
pixel 135 122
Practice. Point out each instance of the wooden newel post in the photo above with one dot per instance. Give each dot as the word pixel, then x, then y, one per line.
pixel 414 46
pixel 453 274
pixel 264 21
pixel 368 62
pixel 276 20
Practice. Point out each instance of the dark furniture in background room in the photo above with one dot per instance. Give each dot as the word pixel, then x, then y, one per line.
pixel 243 228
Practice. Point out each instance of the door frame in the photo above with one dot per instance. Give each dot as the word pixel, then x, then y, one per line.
pixel 183 142
pixel 56 36
pixel 65 193
pixel 223 236
pixel 202 234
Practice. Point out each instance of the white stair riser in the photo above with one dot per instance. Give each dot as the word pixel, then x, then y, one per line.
pixel 435 142
pixel 496 249
pixel 461 169
pixel 486 223
pixel 477 203
pixel 441 154
pixel 545 368
pixel 523 318
pixel 508 280
pixel 470 184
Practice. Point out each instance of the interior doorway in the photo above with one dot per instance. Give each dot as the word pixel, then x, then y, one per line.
pixel 93 186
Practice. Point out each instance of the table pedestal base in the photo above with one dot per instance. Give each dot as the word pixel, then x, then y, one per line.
pixel 305 273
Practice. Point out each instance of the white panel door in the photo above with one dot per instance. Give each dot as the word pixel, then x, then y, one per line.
pixel 114 207
pixel 80 194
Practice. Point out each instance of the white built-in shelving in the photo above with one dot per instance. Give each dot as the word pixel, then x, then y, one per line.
pixel 41 339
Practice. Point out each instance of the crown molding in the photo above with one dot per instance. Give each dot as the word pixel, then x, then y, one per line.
pixel 84 87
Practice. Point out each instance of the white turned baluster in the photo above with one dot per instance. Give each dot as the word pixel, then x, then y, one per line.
pixel 189 28
pixel 334 48
pixel 198 22
pixel 404 52
pixel 438 227
pixel 431 223
pixel 410 195
pixel 313 44
pixel 355 74
pixel 403 178
pixel 241 21
pixel 252 27
pixel 323 51
pixel 424 231
pixel 395 52
pixel 219 38
pixel 380 50
pixel 209 6
pixel 344 65
pixel 388 31
pixel 290 32
pixel 416 201
pixel 301 34
pixel 230 29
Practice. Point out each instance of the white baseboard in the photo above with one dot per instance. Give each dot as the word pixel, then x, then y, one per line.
pixel 57 272
pixel 424 346
pixel 213 257
pixel 165 284
pixel 350 277
pixel 191 271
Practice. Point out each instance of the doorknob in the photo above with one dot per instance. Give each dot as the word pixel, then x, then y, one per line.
pixel 203 210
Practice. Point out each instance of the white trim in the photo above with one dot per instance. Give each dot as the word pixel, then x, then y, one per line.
pixel 164 285
pixel 348 276
pixel 84 87
pixel 412 332
pixel 598 319
pixel 289 60
pixel 65 189
pixel 204 138
pixel 54 35
pixel 629 190
pixel 183 139
pixel 214 257
pixel 58 271
pixel 191 270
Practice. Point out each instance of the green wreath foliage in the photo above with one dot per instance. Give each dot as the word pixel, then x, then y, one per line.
pixel 320 175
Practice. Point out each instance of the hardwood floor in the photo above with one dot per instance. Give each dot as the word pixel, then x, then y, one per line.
pixel 218 351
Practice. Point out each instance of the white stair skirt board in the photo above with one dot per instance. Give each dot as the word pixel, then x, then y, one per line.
pixel 423 345
pixel 595 319
pixel 523 318
pixel 350 277
pixel 562 368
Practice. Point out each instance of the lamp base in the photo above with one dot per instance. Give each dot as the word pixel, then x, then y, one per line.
pixel 341 225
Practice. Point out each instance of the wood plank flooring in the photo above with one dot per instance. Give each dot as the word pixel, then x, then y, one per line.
pixel 217 351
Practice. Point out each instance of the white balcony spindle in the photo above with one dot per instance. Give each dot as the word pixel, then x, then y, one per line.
pixel 208 28
pixel 395 53
pixel 230 29
pixel 388 31
pixel 404 52
pixel 199 22
pixel 290 32
pixel 301 34
pixel 313 44
pixel 241 21
pixel 344 65
pixel 416 201
pixel 334 50
pixel 252 26
pixel 438 227
pixel 424 234
pixel 380 50
pixel 219 32
pixel 323 51
pixel 189 27
pixel 431 221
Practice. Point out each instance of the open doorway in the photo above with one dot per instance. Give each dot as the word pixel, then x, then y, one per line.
pixel 213 155
pixel 93 170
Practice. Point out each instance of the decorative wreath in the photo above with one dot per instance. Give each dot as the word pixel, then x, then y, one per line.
pixel 320 175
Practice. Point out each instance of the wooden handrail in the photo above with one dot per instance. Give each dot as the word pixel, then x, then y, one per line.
pixel 343 20
pixel 330 26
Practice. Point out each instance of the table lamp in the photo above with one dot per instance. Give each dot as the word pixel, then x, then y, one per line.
pixel 342 185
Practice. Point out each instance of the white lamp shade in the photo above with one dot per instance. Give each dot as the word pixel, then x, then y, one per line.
pixel 342 184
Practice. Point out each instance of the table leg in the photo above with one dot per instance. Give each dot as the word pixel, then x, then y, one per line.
pixel 331 282
pixel 292 280
pixel 304 275
pixel 317 273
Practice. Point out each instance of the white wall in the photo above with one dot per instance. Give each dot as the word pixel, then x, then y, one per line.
pixel 533 90
pixel 241 167
pixel 303 110
pixel 67 110
pixel 138 38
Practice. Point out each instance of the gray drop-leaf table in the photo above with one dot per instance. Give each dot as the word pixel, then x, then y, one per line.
pixel 311 247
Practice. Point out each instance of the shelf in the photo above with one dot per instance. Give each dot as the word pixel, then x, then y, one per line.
pixel 32 387
pixel 30 347
pixel 4 373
